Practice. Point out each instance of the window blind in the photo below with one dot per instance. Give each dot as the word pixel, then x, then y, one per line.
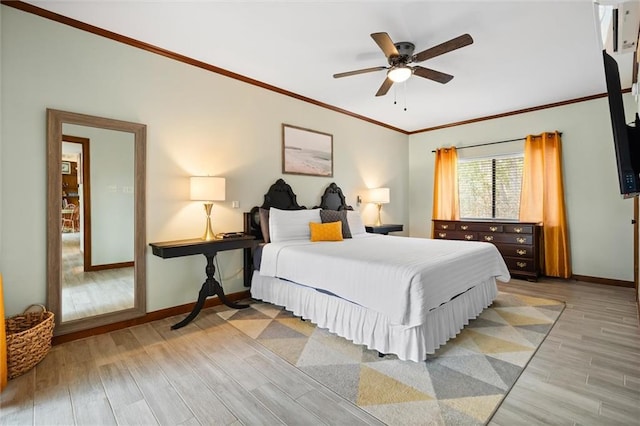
pixel 489 188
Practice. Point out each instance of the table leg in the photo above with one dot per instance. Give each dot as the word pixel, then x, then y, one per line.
pixel 211 287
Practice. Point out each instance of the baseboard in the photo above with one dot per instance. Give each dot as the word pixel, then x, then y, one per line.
pixel 150 316
pixel 605 281
pixel 109 266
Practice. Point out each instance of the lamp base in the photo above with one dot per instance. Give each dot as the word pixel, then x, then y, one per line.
pixel 379 221
pixel 208 233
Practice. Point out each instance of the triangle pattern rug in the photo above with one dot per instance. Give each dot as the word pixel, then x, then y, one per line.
pixel 463 383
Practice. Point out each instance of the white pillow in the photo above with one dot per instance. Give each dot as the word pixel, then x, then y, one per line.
pixel 285 225
pixel 355 222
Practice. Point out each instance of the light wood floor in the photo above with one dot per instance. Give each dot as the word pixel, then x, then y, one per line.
pixel 86 294
pixel 586 372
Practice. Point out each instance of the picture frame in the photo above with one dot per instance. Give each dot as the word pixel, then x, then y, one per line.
pixel 66 167
pixel 306 152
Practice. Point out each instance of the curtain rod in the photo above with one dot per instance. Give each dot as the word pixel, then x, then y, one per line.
pixel 493 143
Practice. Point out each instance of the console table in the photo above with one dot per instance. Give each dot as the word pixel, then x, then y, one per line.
pixel 209 249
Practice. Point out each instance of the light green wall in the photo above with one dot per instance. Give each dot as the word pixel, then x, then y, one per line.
pixel 203 123
pixel 198 123
pixel 599 220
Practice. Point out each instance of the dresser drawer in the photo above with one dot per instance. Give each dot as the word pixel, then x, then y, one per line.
pixel 515 250
pixel 445 226
pixel 524 265
pixel 481 227
pixel 456 235
pixel 519 229
pixel 506 238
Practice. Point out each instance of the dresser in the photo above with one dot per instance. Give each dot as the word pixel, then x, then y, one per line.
pixel 520 243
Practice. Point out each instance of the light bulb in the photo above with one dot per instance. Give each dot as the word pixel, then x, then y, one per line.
pixel 399 74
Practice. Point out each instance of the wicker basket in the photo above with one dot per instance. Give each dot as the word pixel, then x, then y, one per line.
pixel 28 340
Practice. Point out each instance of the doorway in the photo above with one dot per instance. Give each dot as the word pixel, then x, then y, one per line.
pixel 87 289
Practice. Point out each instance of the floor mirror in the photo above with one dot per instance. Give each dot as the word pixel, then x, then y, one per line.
pixel 96 236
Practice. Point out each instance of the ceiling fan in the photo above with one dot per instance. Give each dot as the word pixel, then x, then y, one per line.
pixel 400 55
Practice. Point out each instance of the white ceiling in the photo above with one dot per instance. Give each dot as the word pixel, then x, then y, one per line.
pixel 525 53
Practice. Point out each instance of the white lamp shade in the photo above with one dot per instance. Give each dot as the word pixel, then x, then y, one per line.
pixel 207 188
pixel 379 195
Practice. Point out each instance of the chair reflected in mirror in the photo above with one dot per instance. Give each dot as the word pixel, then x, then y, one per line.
pixel 70 218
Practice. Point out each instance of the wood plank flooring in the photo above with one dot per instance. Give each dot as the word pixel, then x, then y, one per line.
pixel 586 372
pixel 205 373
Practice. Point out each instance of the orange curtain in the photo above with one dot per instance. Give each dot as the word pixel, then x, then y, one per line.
pixel 445 185
pixel 3 344
pixel 542 199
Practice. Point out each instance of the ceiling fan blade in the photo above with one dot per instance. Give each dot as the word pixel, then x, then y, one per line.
pixel 447 46
pixel 356 72
pixel 386 85
pixel 386 44
pixel 434 75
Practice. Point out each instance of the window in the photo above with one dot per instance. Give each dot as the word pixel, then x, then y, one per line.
pixel 489 188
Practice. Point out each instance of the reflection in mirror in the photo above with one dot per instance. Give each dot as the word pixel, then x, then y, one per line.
pixel 96 232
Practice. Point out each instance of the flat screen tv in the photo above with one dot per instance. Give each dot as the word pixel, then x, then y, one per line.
pixel 626 137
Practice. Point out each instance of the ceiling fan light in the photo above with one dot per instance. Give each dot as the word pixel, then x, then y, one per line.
pixel 399 74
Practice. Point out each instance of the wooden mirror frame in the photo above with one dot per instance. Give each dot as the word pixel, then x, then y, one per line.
pixel 55 121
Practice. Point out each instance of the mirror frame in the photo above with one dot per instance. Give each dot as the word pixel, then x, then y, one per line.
pixel 55 121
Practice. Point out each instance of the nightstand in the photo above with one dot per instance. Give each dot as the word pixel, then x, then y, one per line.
pixel 383 229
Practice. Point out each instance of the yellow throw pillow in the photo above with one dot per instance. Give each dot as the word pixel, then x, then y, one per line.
pixel 331 231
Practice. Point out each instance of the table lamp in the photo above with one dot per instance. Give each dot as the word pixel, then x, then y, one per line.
pixel 208 189
pixel 379 196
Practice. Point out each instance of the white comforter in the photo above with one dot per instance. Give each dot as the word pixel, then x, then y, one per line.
pixel 400 277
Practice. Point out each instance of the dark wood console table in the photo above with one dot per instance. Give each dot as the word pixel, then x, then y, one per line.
pixel 209 249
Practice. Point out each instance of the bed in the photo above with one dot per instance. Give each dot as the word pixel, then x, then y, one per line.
pixel 394 294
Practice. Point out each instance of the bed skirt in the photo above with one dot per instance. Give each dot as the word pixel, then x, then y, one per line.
pixel 372 329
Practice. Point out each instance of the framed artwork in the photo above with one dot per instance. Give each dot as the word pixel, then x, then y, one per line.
pixel 306 152
pixel 66 168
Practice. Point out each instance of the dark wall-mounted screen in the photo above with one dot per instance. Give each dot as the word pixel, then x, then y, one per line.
pixel 625 137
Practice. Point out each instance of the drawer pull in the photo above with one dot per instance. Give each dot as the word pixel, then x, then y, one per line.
pixel 518 230
pixel 442 234
pixel 521 240
pixel 521 252
pixel 464 227
pixel 521 264
pixel 488 237
pixel 443 226
pixel 468 237
pixel 493 228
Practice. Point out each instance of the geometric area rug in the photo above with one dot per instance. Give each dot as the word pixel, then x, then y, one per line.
pixel 463 383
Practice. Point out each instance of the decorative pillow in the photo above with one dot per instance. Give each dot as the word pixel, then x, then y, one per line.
pixel 264 224
pixel 356 226
pixel 287 225
pixel 328 216
pixel 331 231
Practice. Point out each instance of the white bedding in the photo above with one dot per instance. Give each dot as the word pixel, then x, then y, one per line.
pixel 402 278
pixel 366 327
